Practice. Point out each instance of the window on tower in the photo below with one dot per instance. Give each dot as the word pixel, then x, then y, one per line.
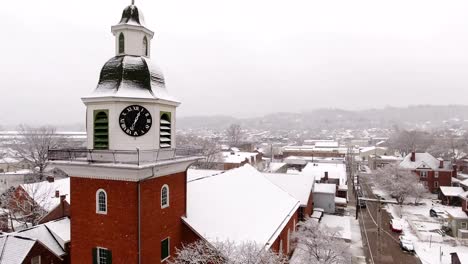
pixel 145 46
pixel 102 256
pixel 121 43
pixel 165 196
pixel 165 130
pixel 101 202
pixel 165 252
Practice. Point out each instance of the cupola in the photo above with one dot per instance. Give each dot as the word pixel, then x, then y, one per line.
pixel 131 35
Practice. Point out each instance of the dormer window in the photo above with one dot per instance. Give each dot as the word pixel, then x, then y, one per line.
pixel 145 46
pixel 121 43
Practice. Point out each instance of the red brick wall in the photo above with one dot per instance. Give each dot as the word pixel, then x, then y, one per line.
pixel 464 205
pixel 59 212
pixel 284 236
pixel 158 224
pixel 47 257
pixel 444 179
pixel 116 231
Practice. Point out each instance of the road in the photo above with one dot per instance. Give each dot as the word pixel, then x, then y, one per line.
pixel 383 248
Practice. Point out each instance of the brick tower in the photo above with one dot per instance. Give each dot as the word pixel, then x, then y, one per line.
pixel 129 185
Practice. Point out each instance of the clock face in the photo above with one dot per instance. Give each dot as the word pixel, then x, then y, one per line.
pixel 135 120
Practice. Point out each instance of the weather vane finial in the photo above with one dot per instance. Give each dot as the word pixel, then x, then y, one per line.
pixel 133 2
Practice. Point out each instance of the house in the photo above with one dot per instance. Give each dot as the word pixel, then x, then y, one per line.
pixel 432 172
pixel 45 243
pixel 317 148
pixel 365 152
pixel 450 195
pixel 324 197
pixel 300 186
pixel 458 221
pixel 222 207
pixel 380 161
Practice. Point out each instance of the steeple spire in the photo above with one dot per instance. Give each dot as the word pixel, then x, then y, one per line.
pixel 133 2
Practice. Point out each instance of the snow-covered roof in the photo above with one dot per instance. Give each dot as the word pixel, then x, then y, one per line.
pixel 325 188
pixel 275 166
pixel 456 212
pixel 131 77
pixel 53 234
pixel 340 224
pixel 238 205
pixel 298 185
pixel 238 157
pixel 43 193
pixel 423 161
pixel 14 249
pixel 451 191
pixel 334 170
pixel 370 149
pixel 194 174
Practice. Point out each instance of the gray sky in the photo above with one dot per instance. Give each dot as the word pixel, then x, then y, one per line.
pixel 240 58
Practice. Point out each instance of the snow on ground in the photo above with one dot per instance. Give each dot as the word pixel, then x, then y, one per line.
pixel 420 227
pixel 340 224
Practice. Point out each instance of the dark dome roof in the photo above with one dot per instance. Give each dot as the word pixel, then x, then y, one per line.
pixel 131 15
pixel 130 72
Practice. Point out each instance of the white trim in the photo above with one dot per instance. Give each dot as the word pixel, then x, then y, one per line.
pixel 167 198
pixel 97 202
pixel 168 248
pixel 280 247
pixel 97 253
pixel 288 241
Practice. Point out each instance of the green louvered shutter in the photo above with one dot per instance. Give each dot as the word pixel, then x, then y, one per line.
pixel 94 255
pixel 109 257
pixel 101 129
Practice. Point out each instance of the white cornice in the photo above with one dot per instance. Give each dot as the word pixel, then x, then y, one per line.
pixel 107 98
pixel 131 27
pixel 124 172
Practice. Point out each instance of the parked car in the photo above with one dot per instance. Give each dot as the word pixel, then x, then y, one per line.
pixel 396 225
pixel 406 244
pixel 435 212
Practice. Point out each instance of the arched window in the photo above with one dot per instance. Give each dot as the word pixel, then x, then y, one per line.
pixel 145 46
pixel 101 202
pixel 165 196
pixel 121 43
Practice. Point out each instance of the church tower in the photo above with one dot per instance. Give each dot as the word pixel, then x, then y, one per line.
pixel 129 185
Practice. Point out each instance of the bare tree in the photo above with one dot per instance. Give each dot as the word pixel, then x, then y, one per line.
pixel 407 141
pixel 201 252
pixel 33 145
pixel 399 183
pixel 234 134
pixel 318 244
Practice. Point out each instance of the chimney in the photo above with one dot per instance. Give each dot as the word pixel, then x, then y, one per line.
pixel 325 178
pixel 50 178
pixel 413 156
pixel 441 163
pixel 57 194
pixel 62 197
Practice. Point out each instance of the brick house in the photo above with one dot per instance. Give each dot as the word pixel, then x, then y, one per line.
pixel 432 172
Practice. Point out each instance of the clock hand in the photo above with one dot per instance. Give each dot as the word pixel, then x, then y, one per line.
pixel 134 122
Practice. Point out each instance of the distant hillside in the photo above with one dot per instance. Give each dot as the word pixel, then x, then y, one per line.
pixel 422 116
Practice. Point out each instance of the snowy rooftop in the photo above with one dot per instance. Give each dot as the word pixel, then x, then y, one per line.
pixel 456 212
pixel 423 161
pixel 324 188
pixel 195 174
pixel 451 191
pixel 14 248
pixel 43 193
pixel 238 156
pixel 53 234
pixel 298 185
pixel 238 205
pixel 334 170
pixel 339 224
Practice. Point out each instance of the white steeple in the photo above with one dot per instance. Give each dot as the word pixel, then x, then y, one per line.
pixel 131 35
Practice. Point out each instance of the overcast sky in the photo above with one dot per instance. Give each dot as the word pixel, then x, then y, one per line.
pixel 241 58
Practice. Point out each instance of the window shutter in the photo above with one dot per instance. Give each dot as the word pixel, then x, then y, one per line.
pixel 109 257
pixel 94 254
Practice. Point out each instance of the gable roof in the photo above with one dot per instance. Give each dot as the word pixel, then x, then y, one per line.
pixel 52 234
pixel 43 193
pixel 14 249
pixel 238 205
pixel 423 161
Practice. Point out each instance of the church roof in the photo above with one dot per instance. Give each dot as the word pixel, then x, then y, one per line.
pixel 131 77
pixel 132 16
